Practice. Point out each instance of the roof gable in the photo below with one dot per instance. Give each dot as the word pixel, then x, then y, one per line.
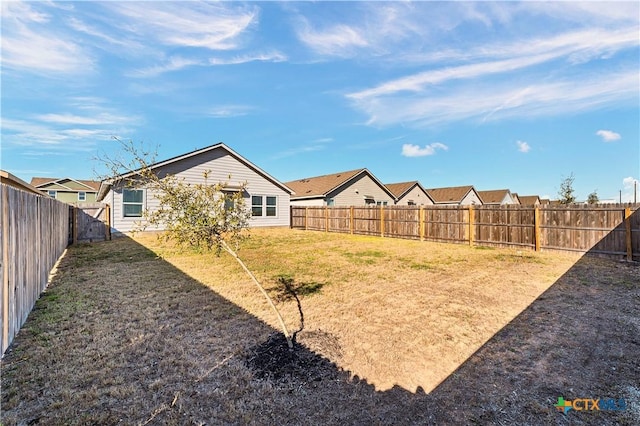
pixel 401 189
pixel 65 184
pixel 454 194
pixel 106 184
pixel 320 186
pixel 495 196
pixel 529 200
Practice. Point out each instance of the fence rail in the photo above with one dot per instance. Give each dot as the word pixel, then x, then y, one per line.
pixel 608 230
pixel 34 234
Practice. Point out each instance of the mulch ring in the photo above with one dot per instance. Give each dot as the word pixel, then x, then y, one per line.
pixel 274 361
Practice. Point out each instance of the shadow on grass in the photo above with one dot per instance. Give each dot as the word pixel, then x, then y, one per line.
pixel 122 336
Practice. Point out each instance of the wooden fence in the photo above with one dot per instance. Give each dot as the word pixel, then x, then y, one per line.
pixel 608 230
pixel 34 234
pixel 90 222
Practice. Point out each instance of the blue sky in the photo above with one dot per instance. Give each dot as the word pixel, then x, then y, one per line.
pixel 514 95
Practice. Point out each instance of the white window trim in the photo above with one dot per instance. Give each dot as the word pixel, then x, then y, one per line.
pixel 54 195
pixel 144 198
pixel 84 198
pixel 263 213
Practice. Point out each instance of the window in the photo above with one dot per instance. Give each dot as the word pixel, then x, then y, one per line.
pixel 264 205
pixel 82 196
pixel 381 203
pixel 411 203
pixel 132 202
pixel 271 206
pixel 331 202
pixel 52 193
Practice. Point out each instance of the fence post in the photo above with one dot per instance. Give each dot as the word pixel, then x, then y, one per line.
pixel 74 211
pixel 107 211
pixel 351 220
pixel 306 216
pixel 381 220
pixel 536 227
pixel 5 268
pixel 421 223
pixel 627 225
pixel 326 218
pixel 472 227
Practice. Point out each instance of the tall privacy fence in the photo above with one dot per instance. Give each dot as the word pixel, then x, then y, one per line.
pixel 35 233
pixel 611 230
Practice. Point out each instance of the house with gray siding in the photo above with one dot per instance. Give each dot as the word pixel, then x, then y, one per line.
pixel 351 188
pixel 497 197
pixel 409 193
pixel 268 198
pixel 455 196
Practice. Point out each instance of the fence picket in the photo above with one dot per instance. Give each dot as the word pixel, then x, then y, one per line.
pixel 609 230
pixel 35 232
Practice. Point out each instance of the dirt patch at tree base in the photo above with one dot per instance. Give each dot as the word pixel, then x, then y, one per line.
pixel 273 360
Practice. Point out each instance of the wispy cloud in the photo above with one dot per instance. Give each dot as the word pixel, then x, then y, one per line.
pixel 82 129
pixel 370 29
pixel 243 59
pixel 101 119
pixel 312 146
pixel 608 135
pixel 523 146
pixel 30 44
pixel 503 99
pixel 175 63
pixel 338 40
pixel 410 150
pixel 213 26
pixel 508 58
pixel 228 111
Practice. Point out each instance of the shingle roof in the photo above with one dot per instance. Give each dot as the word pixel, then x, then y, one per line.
pixel 528 200
pixel 39 181
pixel 453 194
pixel 321 185
pixel 106 184
pixel 494 196
pixel 398 189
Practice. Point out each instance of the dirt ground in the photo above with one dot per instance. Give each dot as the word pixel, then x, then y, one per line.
pixel 396 332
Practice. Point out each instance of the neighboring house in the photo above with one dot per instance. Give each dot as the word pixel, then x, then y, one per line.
pixel 351 188
pixel 15 182
pixel 267 197
pixel 545 201
pixel 497 197
pixel 409 193
pixel 530 200
pixel 516 197
pixel 455 196
pixel 67 190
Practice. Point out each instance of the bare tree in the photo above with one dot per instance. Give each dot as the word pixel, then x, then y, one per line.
pixel 205 216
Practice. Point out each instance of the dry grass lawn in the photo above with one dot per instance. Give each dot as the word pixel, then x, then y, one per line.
pixel 403 313
pixel 140 332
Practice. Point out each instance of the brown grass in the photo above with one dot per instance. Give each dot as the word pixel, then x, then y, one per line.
pixel 139 332
pixel 405 313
